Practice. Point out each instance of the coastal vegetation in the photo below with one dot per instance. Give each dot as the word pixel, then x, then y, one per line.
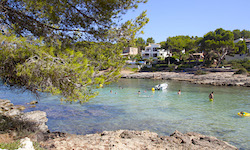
pixel 71 48
pixel 214 45
pixel 66 48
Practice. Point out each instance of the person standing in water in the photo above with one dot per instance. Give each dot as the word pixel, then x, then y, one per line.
pixel 179 92
pixel 211 96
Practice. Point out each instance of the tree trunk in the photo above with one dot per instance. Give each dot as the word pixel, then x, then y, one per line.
pixel 221 58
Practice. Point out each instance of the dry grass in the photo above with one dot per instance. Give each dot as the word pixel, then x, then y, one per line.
pixel 6 138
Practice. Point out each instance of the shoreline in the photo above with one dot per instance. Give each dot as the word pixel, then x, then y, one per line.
pixel 35 121
pixel 211 78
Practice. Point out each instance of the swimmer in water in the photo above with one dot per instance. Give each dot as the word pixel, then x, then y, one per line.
pixel 179 92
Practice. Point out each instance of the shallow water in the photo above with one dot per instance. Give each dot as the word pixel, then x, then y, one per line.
pixel 160 111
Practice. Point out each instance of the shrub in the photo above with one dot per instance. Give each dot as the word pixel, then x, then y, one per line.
pixel 241 71
pixel 191 65
pixel 200 72
pixel 10 146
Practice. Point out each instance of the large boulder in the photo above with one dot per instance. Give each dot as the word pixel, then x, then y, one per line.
pixel 36 119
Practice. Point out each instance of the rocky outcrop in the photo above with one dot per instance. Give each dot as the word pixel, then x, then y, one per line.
pixel 35 120
pixel 125 139
pixel 8 109
pixel 26 144
pixel 212 78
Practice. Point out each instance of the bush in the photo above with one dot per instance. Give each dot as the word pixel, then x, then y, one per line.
pixel 161 65
pixel 200 72
pixel 246 65
pixel 241 71
pixel 10 146
pixel 238 64
pixel 190 65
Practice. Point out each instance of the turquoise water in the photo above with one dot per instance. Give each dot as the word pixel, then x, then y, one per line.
pixel 160 111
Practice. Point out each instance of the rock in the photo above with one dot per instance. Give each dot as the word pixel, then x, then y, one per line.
pixel 3 102
pixel 26 144
pixel 12 113
pixel 37 120
pixel 33 102
pixel 212 78
pixel 20 107
pixel 7 108
pixel 32 106
pixel 181 137
pixel 126 139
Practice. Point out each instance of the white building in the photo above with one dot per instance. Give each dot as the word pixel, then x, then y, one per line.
pixel 154 51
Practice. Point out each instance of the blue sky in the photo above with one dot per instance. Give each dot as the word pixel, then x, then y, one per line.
pixel 192 17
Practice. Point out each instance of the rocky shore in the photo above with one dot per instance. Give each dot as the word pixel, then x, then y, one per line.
pixel 211 78
pixel 133 140
pixel 35 122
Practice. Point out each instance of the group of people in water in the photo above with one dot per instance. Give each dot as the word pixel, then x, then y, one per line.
pixel 210 96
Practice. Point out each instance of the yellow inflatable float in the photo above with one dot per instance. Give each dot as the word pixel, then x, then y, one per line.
pixel 245 114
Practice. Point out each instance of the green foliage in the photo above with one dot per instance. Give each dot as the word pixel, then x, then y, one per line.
pixel 200 72
pixel 150 40
pixel 237 34
pixel 140 43
pixel 237 64
pixel 52 18
pixel 179 43
pixel 245 34
pixel 240 47
pixel 16 144
pixel 10 146
pixel 188 65
pixel 217 44
pixel 65 48
pixel 161 65
pixel 163 45
pixel 241 71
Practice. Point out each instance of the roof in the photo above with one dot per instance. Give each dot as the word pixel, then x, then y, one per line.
pixel 201 54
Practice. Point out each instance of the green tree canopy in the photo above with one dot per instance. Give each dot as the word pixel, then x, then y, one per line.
pixel 150 40
pixel 240 47
pixel 245 34
pixel 241 34
pixel 140 43
pixel 219 41
pixel 47 18
pixel 64 47
pixel 237 34
pixel 178 43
